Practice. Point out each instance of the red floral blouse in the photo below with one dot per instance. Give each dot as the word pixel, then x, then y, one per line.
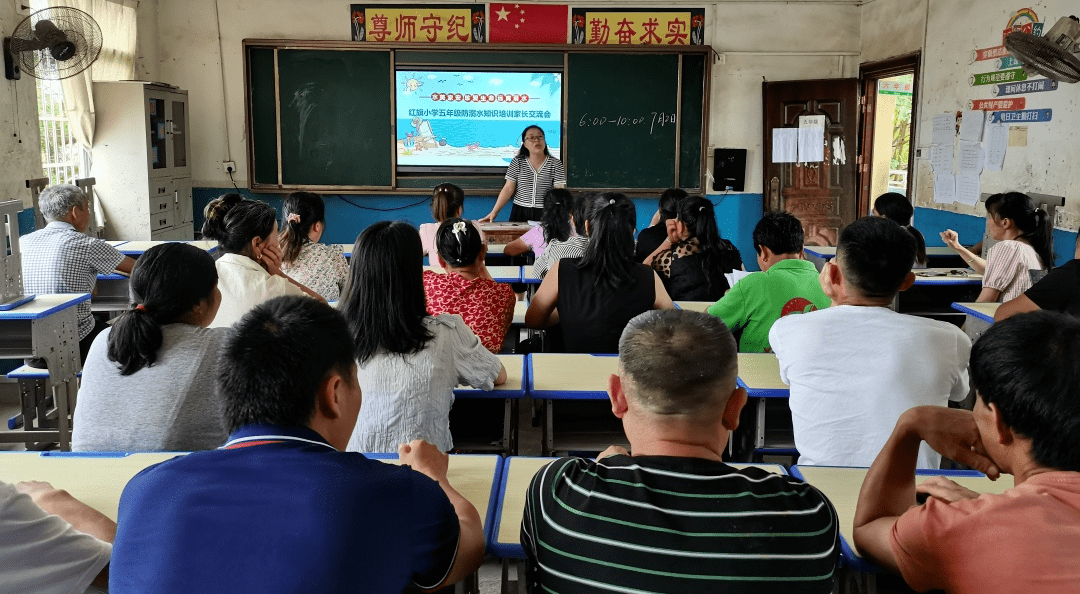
pixel 486 306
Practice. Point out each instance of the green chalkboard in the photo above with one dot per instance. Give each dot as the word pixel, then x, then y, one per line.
pixel 691 119
pixel 621 127
pixel 263 116
pixel 334 131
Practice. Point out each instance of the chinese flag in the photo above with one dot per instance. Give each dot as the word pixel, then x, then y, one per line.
pixel 527 23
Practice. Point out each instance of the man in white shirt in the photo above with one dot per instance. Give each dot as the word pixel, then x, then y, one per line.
pixel 855 367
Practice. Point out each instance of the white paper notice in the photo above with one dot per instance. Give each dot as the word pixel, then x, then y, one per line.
pixel 839 151
pixel 941 158
pixel 735 276
pixel 811 139
pixel 996 140
pixel 967 188
pixel 785 145
pixel 944 129
pixel 971 126
pixel 970 159
pixel 944 188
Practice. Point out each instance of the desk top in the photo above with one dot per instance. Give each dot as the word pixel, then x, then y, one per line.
pixel 520 307
pixel 694 305
pixel 513 388
pixel 528 277
pixel 759 373
pixel 829 251
pixel 44 305
pixel 116 242
pixel 570 376
pixel 946 276
pixel 137 248
pixel 501 274
pixel 841 486
pixel 516 475
pixel 984 310
pixel 113 276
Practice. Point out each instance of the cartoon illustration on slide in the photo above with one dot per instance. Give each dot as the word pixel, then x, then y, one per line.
pixel 474 119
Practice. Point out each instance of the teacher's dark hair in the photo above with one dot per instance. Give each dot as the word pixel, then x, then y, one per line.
pixel 280 353
pixel 1033 223
pixel 461 247
pixel 612 218
pixel 558 208
pixel 524 150
pixel 167 282
pixel 383 301
pixel 1028 366
pixel 896 207
pixel 309 209
pixel 234 221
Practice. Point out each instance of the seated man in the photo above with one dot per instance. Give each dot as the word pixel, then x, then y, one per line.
pixel 1059 290
pixel 1026 422
pixel 61 258
pixel 672 517
pixel 59 545
pixel 279 508
pixel 787 284
pixel 855 367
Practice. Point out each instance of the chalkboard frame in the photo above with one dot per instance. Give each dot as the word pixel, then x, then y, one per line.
pixel 485 184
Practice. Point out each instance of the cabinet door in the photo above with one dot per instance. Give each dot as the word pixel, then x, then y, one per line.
pixel 158 146
pixel 177 132
pixel 183 201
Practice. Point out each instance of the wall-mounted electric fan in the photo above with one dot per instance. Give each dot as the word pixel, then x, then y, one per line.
pixel 52 43
pixel 1055 56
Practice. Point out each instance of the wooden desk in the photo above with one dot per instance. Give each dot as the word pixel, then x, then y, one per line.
pixel 759 374
pixel 111 293
pixel 947 276
pixel 520 307
pixel 979 317
pixel 500 274
pixel 45 328
pixel 841 486
pixel 528 277
pixel 936 255
pixel 509 393
pixel 138 248
pixel 554 377
pixel 700 306
pixel 503 231
pixel 116 243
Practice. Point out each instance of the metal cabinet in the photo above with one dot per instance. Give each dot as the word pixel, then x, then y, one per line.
pixel 141 159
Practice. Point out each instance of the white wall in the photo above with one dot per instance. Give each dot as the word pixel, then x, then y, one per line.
pixel 891 28
pixel 20 141
pixel 188 56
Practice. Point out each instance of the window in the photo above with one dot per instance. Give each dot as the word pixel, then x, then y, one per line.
pixel 61 155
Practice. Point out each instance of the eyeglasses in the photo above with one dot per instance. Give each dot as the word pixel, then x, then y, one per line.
pixel 534 137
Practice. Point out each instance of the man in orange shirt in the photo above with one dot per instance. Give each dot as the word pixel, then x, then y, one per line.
pixel 1026 422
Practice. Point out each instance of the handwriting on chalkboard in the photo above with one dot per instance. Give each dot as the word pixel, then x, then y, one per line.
pixel 654 119
pixel 301 101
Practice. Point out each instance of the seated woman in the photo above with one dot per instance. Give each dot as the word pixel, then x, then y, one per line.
pixel 467 289
pixel 593 297
pixel 249 269
pixel 652 236
pixel 896 207
pixel 318 266
pixel 551 226
pixel 447 202
pixel 408 362
pixel 693 259
pixel 148 382
pixel 564 229
pixel 1025 242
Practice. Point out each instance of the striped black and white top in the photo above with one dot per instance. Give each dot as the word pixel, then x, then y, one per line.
pixel 664 524
pixel 573 247
pixel 532 184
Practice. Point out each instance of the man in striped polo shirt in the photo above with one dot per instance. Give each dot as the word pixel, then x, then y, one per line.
pixel 672 517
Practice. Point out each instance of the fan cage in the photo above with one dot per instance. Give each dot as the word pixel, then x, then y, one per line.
pixel 80 29
pixel 1043 56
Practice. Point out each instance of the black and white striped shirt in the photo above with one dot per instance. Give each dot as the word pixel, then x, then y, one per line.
pixel 532 184
pixel 664 524
pixel 573 247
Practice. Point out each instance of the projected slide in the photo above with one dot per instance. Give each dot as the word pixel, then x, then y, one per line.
pixel 463 119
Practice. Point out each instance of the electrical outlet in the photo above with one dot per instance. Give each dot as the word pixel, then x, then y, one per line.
pixel 229 166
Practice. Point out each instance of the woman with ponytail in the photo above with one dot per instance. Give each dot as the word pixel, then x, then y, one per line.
pixel 318 266
pixel 694 258
pixel 148 379
pixel 1025 242
pixel 466 288
pixel 593 297
pixel 250 265
pixel 563 228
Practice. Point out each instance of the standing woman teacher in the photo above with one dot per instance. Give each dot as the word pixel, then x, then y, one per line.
pixel 528 177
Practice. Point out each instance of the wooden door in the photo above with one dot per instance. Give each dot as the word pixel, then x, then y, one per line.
pixel 823 195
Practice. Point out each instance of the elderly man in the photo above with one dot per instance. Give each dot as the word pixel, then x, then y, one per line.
pixel 61 258
pixel 671 517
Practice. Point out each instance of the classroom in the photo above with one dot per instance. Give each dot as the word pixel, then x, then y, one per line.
pixel 205 49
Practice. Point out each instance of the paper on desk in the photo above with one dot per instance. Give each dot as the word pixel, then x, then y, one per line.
pixel 944 129
pixel 811 139
pixel 970 158
pixel 967 188
pixel 995 143
pixel 735 276
pixel 971 125
pixel 785 145
pixel 944 188
pixel 941 158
